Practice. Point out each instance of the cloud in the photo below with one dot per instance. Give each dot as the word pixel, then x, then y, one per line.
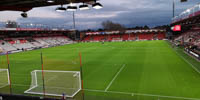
pixel 45 13
pixel 96 15
pixel 7 15
pixel 127 12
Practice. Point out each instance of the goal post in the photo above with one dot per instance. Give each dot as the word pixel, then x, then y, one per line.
pixel 4 78
pixel 56 83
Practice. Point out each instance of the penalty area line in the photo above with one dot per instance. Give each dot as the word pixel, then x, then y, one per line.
pixel 115 77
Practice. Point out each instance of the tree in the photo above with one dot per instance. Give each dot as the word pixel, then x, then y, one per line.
pixel 146 27
pixel 100 29
pixel 109 25
pixel 162 27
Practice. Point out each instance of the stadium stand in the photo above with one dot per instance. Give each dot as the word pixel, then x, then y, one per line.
pixel 134 35
pixel 187 34
pixel 7 46
pixel 12 43
pixel 146 36
pixel 22 44
pixel 18 44
pixel 160 36
pixel 191 37
pixel 52 41
pixel 1 50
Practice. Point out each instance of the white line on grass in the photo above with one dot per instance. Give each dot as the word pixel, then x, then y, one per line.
pixel 141 94
pixel 186 60
pixel 115 77
pixel 21 85
pixel 4 85
pixel 188 63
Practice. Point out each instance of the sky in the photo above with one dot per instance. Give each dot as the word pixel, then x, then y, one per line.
pixel 129 13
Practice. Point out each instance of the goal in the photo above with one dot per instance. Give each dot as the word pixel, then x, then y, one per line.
pixel 4 78
pixel 56 83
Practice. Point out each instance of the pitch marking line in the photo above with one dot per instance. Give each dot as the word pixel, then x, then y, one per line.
pixel 189 63
pixel 4 85
pixel 140 94
pixel 115 77
pixel 185 60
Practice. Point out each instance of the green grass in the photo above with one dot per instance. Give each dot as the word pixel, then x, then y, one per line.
pixel 152 70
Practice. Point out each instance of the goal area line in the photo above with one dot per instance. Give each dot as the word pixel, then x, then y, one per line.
pixel 4 85
pixel 41 93
pixel 142 94
pixel 49 94
pixel 35 83
pixel 8 77
pixel 56 71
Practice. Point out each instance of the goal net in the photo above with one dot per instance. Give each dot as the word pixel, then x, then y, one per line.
pixel 4 78
pixel 56 83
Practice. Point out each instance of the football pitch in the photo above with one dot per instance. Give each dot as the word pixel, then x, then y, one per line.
pixel 141 70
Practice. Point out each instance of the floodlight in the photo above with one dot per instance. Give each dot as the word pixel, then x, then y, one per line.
pixel 97 5
pixel 188 10
pixel 84 7
pixel 72 7
pixel 61 9
pixel 50 1
pixel 24 15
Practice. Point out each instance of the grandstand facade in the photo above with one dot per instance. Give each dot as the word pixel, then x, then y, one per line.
pixel 189 36
pixel 127 35
pixel 23 39
pixel 17 40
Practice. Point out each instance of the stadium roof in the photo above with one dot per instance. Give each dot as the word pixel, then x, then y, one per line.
pixel 26 5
